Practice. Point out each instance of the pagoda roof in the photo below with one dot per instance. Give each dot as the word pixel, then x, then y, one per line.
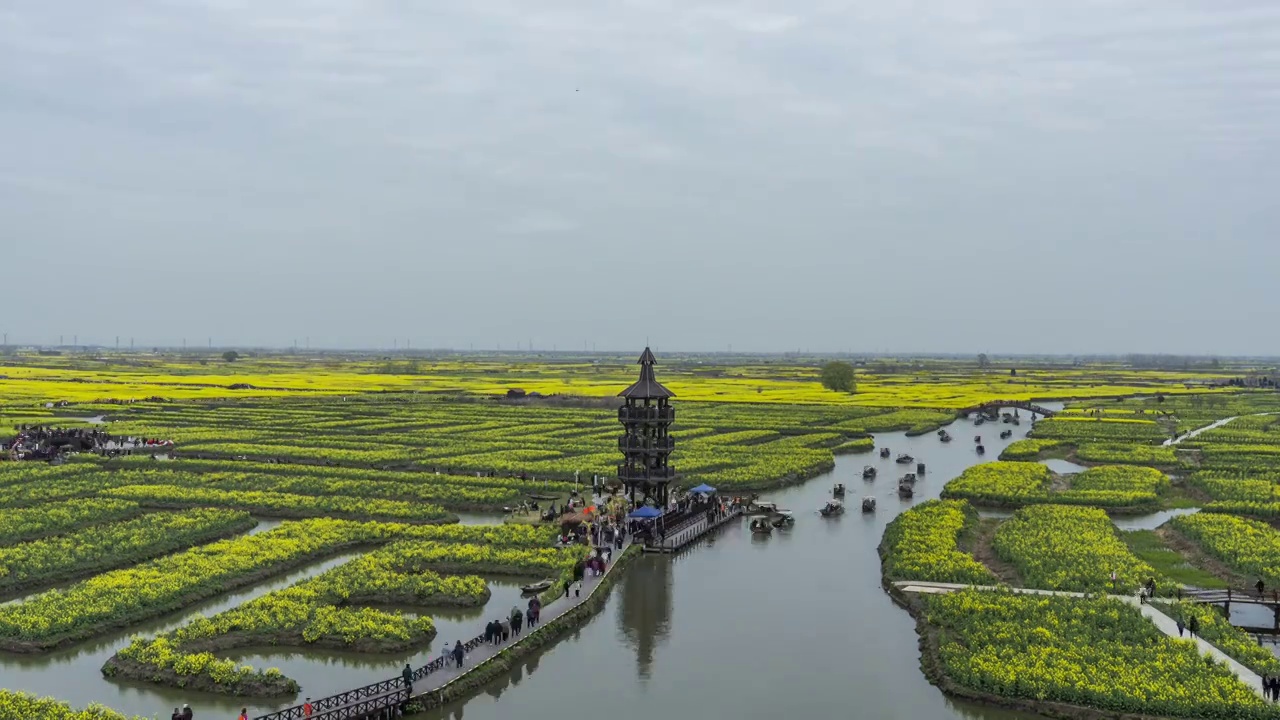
pixel 647 387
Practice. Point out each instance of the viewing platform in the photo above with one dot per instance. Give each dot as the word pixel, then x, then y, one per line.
pixel 690 529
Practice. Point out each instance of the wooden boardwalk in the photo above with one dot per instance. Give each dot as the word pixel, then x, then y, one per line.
pixel 376 699
pixel 1163 622
pixel 995 405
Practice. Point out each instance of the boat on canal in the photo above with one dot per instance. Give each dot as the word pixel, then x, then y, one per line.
pixel 905 459
pixel 905 490
pixel 838 490
pixel 832 508
pixel 534 588
pixel 783 519
pixel 868 504
pixel 868 472
pixel 981 450
pixel 763 507
pixel 909 478
pixel 884 452
pixel 761 526
pixel 1006 434
pixel 919 468
pixel 944 436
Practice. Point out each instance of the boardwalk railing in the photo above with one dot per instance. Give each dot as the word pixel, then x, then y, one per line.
pixel 349 704
pixel 995 405
pixel 1228 595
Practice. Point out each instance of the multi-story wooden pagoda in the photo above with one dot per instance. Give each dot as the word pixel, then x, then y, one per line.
pixel 646 414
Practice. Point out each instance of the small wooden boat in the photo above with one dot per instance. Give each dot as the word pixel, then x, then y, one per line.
pixel 838 490
pixel 1005 435
pixel 981 450
pixel 884 452
pixel 919 468
pixel 868 504
pixel 909 478
pixel 944 437
pixel 763 507
pixel 761 526
pixel 784 519
pixel 537 587
pixel 977 438
pixel 832 508
pixel 540 496
pixel 905 491
pixel 905 459
pixel 979 421
pixel 868 473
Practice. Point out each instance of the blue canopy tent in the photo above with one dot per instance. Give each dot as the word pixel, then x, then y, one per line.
pixel 703 489
pixel 645 513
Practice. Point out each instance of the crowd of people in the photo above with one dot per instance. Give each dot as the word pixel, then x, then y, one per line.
pixel 40 442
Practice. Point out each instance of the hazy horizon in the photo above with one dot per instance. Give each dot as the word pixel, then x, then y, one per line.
pixel 1058 178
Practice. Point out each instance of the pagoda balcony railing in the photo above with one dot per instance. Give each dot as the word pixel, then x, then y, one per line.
pixel 640 474
pixel 628 414
pixel 628 444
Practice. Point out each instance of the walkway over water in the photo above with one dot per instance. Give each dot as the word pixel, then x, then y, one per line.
pixel 1163 623
pixel 689 530
pixel 993 407
pixel 437 676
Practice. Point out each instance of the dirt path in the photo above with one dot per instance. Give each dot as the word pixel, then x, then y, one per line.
pixel 983 550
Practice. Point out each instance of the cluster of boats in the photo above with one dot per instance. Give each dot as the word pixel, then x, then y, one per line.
pixel 769 517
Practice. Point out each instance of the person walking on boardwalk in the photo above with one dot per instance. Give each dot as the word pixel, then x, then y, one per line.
pixel 517 620
pixel 306 708
pixel 177 714
pixel 186 712
pixel 1181 626
pixel 531 617
pixel 407 674
pixel 488 633
pixel 1193 625
pixel 506 630
pixel 244 714
pixel 458 652
pixel 1260 586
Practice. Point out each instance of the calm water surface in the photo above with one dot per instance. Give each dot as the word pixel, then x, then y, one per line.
pixel 792 625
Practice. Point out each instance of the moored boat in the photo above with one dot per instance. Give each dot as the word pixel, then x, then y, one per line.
pixel 838 490
pixel 761 526
pixel 868 472
pixel 537 587
pixel 905 490
pixel 905 459
pixel 868 504
pixel 884 452
pixel 981 450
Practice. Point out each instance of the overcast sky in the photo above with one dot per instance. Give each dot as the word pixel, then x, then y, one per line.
pixel 959 176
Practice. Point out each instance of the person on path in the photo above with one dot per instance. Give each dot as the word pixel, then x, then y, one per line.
pixel 1260 586
pixel 516 621
pixel 458 652
pixel 244 714
pixel 1194 626
pixel 306 708
pixel 488 632
pixel 1181 626
pixel 577 588
pixel 407 674
pixel 177 714
pixel 506 630
pixel 531 617
pixel 186 712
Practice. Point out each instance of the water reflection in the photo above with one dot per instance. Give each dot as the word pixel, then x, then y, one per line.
pixel 644 609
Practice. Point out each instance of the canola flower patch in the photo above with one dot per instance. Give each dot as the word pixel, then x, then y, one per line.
pixel 1093 652
pixel 1060 547
pixel 923 544
pixel 1249 546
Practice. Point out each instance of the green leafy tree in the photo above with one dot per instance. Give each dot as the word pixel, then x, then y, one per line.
pixel 838 376
pixel 983 360
pixel 231 356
